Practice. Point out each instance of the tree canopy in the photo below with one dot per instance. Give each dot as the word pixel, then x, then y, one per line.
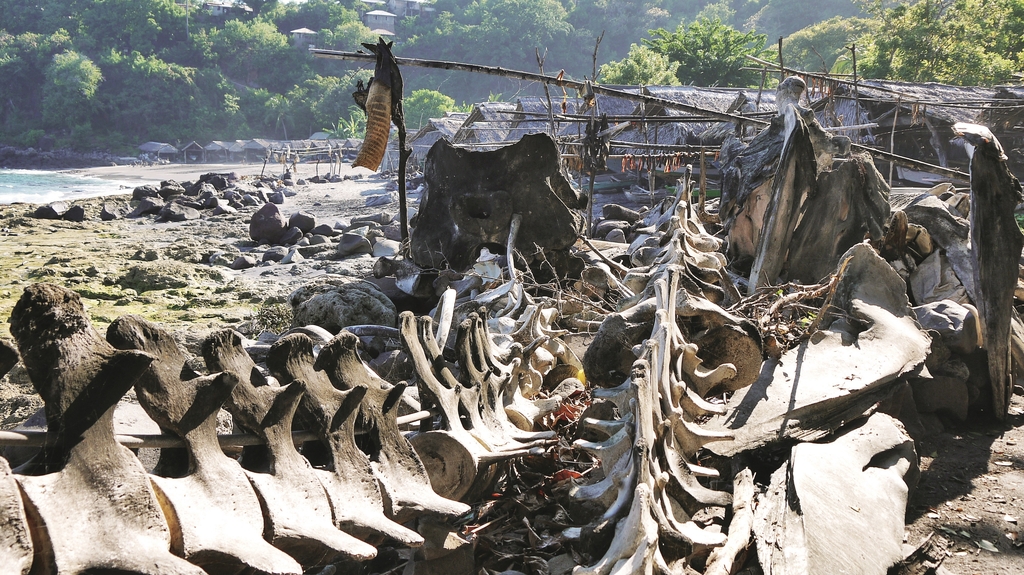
pixel 710 53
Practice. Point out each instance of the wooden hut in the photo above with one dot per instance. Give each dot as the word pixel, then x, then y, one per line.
pixel 487 126
pixel 434 130
pixel 193 153
pixel 159 150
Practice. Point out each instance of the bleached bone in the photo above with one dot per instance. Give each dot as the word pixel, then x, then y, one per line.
pixel 723 559
pixel 634 548
pixel 15 540
pixel 216 516
pixel 90 480
pixel 298 513
pixel 455 457
pixel 349 481
pixel 602 428
pixel 403 479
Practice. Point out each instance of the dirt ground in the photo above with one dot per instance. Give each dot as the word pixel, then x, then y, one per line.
pixel 971 493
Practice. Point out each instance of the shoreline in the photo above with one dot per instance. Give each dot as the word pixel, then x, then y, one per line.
pixel 190 172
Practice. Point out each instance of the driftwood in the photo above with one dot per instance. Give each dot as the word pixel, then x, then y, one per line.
pixel 217 517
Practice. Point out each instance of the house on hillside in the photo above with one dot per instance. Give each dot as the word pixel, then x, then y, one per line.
pixel 380 20
pixel 302 38
pixel 224 8
pixel 409 8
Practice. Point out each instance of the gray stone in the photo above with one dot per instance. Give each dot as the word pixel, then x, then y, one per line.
pixel 111 211
pixel 224 209
pixel 393 231
pixel 305 221
pixel 956 325
pixel 170 189
pixel 175 212
pixel 74 214
pixel 267 225
pixel 289 192
pixel 604 226
pixel 381 200
pixel 275 254
pixel 146 191
pixel 386 248
pixel 380 218
pixel 323 230
pixel 294 256
pixel 290 237
pixel 616 236
pixel 251 200
pixel 617 212
pixel 276 197
pixel 941 394
pixel 147 206
pixel 304 241
pixel 51 211
pixel 319 239
pixel 334 306
pixel 243 262
pixel 353 244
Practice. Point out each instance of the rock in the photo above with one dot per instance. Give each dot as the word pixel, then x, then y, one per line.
pixel 304 241
pixel 165 275
pixel 276 197
pixel 111 211
pixel 74 214
pixel 251 200
pixel 386 248
pixel 223 209
pixel 293 257
pixel 146 191
pixel 342 225
pixel 51 211
pixel 616 236
pixel 334 306
pixel 147 206
pixel 317 239
pixel 353 244
pixel 955 324
pixel 208 201
pixel 290 237
pixel 267 225
pixel 393 231
pixel 617 212
pixel 305 221
pixel 941 394
pixel 394 366
pixel 323 230
pixel 243 262
pixel 218 181
pixel 380 218
pixel 222 258
pixel 175 212
pixel 170 189
pixel 275 254
pixel 288 192
pixel 381 200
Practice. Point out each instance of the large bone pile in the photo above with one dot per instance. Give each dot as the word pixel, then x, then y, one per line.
pixel 720 441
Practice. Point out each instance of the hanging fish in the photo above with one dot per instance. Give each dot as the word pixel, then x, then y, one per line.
pixel 378 106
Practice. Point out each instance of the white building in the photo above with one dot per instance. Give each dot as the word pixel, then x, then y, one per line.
pixel 303 37
pixel 379 19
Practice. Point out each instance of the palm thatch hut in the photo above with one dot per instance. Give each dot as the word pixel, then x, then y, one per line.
pixel 434 130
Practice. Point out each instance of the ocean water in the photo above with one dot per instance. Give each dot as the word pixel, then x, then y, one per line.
pixel 40 187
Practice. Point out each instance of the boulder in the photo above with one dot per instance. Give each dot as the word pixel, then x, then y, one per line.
pixel 616 236
pixel 382 200
pixel 170 189
pixel 604 227
pixel 956 325
pixel 380 218
pixel 305 221
pixel 218 181
pixel 243 262
pixel 111 211
pixel 223 209
pixel 275 254
pixel 276 198
pixel 145 191
pixel 617 212
pixel 317 239
pixel 323 230
pixel 267 225
pixel 353 244
pixel 74 214
pixel 51 211
pixel 941 394
pixel 294 256
pixel 147 206
pixel 291 236
pixel 336 305
pixel 175 212
pixel 386 248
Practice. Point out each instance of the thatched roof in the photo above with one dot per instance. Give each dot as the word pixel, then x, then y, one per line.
pixel 158 148
pixel 434 130
pixel 488 123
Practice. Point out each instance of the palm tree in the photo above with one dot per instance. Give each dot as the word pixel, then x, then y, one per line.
pixel 279 110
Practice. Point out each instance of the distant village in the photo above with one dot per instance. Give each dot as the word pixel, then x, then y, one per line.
pixel 908 119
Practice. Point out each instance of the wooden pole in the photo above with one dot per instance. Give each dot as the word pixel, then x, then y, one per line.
pixel 892 137
pixel 782 67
